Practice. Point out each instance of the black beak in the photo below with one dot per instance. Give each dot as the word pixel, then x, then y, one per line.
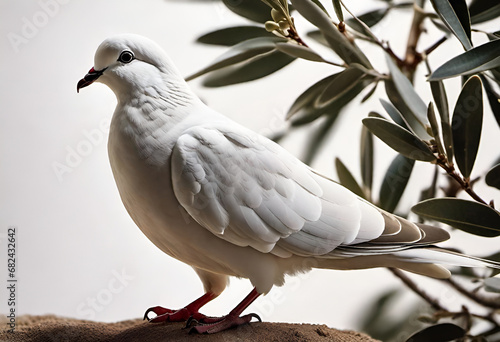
pixel 91 76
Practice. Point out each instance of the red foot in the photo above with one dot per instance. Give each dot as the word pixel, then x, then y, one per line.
pixel 233 319
pixel 167 315
pixel 181 315
pixel 223 323
pixel 206 325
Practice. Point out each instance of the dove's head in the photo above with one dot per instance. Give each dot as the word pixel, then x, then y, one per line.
pixel 128 63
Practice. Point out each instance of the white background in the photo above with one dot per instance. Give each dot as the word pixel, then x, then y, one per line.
pixel 74 236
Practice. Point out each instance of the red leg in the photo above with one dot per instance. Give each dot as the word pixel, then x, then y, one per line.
pixel 181 315
pixel 233 319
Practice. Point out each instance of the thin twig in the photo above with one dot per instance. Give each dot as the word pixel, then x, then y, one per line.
pixel 484 301
pixel 464 183
pixel 433 302
pixel 436 305
pixel 435 46
pixel 292 34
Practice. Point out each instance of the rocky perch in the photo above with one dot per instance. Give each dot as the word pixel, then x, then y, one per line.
pixel 52 328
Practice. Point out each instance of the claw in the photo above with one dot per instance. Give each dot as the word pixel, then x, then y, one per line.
pixel 190 322
pixel 204 324
pixel 225 323
pixel 181 315
pixel 254 315
pixel 158 310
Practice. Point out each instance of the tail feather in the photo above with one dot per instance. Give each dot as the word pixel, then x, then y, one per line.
pixel 424 260
pixel 443 256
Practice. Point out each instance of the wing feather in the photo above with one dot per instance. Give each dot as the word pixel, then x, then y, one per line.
pixel 249 191
pixel 245 191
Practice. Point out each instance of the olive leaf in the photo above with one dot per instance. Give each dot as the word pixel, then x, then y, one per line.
pixel 395 182
pixel 233 35
pixel 347 179
pixel 399 139
pixel 492 285
pixel 416 118
pixel 309 95
pixel 481 58
pixel 366 159
pixel 493 177
pixel 436 129
pixel 493 98
pixel 467 125
pixel 314 144
pixel 455 16
pixel 260 66
pixel 440 332
pixel 308 112
pixel 239 53
pixel 483 10
pixel 369 18
pixel 441 100
pixel 344 82
pixel 394 113
pixel 472 217
pixel 300 51
pixel 338 10
pixel 250 9
pixel 345 49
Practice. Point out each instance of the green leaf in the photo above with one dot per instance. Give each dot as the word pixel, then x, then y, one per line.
pixel 466 125
pixel 396 100
pixel 399 139
pixel 492 285
pixel 394 114
pixel 318 37
pixel 314 144
pixel 395 181
pixel 253 69
pixel 320 5
pixel 493 98
pixel 338 10
pixel 309 112
pixel 455 16
pixel 250 9
pixel 481 58
pixel 378 320
pixel 435 127
pixel 472 217
pixel 483 10
pixel 239 53
pixel 366 161
pixel 369 18
pixel 373 114
pixel 347 179
pixel 344 82
pixel 309 96
pixel 233 35
pixel 493 177
pixel 348 51
pixel 370 92
pixel 300 51
pixel 441 100
pixel 416 118
pixel 438 333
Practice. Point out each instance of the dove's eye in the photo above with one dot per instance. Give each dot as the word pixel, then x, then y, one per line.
pixel 126 57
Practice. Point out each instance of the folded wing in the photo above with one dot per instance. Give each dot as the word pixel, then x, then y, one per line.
pixel 249 191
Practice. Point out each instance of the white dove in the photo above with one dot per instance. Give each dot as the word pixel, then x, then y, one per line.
pixel 230 202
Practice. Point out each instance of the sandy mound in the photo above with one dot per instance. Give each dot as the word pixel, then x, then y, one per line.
pixel 51 328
